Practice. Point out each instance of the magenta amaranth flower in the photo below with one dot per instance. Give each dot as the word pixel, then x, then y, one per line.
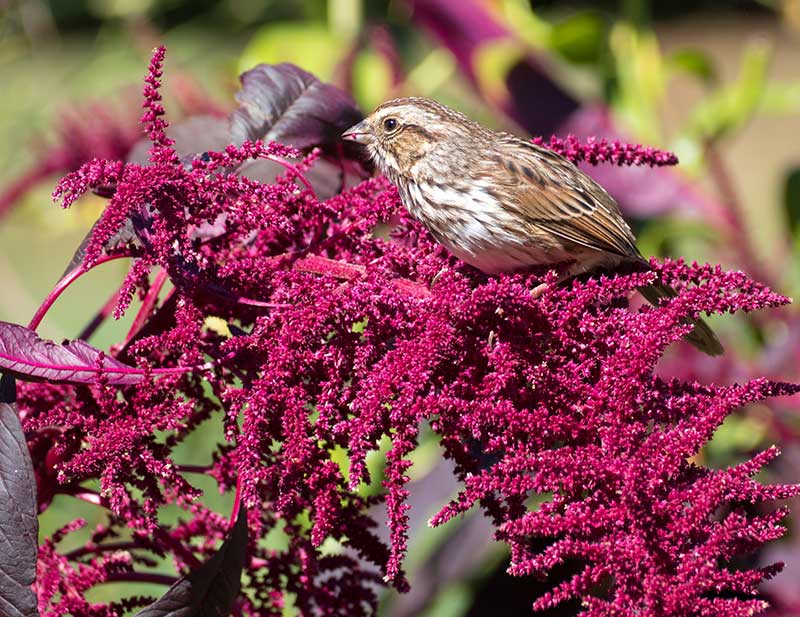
pixel 97 129
pixel 596 151
pixel 312 336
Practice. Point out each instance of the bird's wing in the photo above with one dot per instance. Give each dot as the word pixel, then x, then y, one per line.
pixel 552 194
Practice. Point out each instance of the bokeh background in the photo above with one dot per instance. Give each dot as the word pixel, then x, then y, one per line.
pixel 718 82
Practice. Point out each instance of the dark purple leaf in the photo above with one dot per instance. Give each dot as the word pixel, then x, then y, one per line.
pixel 125 235
pixel 197 135
pixel 24 354
pixel 465 27
pixel 211 590
pixel 191 136
pixel 19 526
pixel 325 176
pixel 284 103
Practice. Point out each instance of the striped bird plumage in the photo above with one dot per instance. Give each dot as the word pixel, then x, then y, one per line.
pixel 496 201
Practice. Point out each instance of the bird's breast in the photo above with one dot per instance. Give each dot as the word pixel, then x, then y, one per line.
pixel 475 226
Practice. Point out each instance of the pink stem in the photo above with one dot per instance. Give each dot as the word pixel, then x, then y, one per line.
pixel 202 469
pixel 160 534
pixel 237 500
pixel 724 182
pixel 178 548
pixel 323 265
pixel 84 494
pixel 293 168
pixel 102 548
pixel 96 499
pixel 65 282
pixel 131 334
pixel 147 305
pixel 259 303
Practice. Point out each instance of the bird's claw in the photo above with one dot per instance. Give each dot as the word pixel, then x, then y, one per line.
pixel 539 290
pixel 437 275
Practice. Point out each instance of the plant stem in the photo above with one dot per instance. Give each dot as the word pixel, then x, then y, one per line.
pixel 85 494
pixel 99 317
pixel 237 500
pixel 62 285
pixel 141 577
pixel 201 469
pixel 292 168
pixel 727 190
pixel 147 305
pixel 102 548
pixel 349 272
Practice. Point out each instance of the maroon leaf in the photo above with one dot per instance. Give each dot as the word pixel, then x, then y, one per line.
pixel 536 101
pixel 125 235
pixel 19 527
pixel 199 134
pixel 211 590
pixel 284 103
pixel 24 354
pixel 193 135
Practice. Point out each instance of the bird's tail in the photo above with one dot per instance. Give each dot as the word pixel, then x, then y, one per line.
pixel 702 336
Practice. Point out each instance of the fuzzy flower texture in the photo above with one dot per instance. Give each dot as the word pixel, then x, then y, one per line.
pixel 321 345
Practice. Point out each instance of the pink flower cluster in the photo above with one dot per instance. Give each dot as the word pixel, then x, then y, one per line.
pixel 337 339
pixel 596 151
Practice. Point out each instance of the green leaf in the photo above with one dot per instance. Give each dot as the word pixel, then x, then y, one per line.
pixel 492 61
pixel 736 434
pixel 452 601
pixel 640 80
pixel 730 107
pixel 670 235
pixel 695 63
pixel 310 46
pixel 372 79
pixel 525 23
pixel 432 72
pixel 782 98
pixel 581 38
pixel 345 16
pixel 360 325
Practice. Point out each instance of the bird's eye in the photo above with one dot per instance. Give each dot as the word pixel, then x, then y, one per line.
pixel 390 124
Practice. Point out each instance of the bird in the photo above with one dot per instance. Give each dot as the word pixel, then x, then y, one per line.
pixel 499 202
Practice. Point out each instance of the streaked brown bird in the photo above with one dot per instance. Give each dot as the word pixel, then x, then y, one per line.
pixel 498 202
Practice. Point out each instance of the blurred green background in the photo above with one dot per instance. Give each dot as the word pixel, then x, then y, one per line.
pixel 718 82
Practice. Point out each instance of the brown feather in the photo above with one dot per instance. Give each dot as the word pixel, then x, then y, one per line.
pixel 499 202
pixel 567 202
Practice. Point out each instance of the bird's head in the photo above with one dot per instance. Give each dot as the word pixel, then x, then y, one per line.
pixel 401 132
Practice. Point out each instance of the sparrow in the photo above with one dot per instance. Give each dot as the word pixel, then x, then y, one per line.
pixel 499 202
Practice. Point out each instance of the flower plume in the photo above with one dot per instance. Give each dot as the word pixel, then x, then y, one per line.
pixel 327 337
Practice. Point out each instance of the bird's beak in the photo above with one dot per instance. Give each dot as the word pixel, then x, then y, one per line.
pixel 359 133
